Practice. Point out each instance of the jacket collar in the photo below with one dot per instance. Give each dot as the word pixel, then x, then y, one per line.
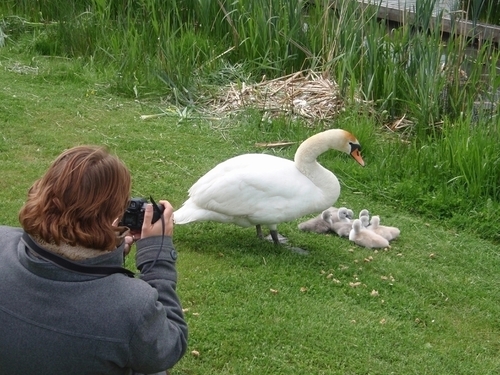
pixel 46 269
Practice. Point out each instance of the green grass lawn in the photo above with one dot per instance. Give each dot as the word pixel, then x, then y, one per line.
pixel 428 305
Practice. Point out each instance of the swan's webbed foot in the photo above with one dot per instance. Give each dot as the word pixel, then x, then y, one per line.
pixel 277 238
pixel 274 236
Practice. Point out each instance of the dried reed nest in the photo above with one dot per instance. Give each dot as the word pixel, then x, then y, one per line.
pixel 305 94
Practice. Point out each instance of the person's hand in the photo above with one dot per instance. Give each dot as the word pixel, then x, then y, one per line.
pixel 156 229
pixel 128 236
pixel 129 240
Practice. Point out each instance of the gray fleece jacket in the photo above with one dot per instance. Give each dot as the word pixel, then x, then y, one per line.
pixel 54 321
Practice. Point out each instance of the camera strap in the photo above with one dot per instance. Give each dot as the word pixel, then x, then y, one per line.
pixel 70 265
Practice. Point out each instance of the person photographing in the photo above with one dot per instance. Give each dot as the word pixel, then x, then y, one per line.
pixel 67 306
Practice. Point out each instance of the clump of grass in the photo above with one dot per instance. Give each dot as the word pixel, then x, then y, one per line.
pixel 453 177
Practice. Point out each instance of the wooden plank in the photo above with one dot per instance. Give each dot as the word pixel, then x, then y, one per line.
pixel 451 22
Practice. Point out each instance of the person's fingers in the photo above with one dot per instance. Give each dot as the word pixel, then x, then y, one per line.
pixel 168 216
pixel 158 228
pixel 149 229
pixel 129 240
pixel 168 209
pixel 148 216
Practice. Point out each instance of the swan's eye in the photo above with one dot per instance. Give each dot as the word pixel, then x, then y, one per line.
pixel 355 146
pixel 355 153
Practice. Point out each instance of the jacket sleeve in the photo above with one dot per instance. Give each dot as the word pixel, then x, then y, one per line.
pixel 161 339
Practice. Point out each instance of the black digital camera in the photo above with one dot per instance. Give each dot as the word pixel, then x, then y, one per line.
pixel 133 218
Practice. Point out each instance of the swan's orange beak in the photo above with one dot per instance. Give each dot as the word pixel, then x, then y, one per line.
pixel 357 156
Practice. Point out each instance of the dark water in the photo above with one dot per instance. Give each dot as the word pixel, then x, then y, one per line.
pixel 483 11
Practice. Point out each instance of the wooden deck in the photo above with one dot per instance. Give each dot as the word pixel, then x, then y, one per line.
pixel 453 21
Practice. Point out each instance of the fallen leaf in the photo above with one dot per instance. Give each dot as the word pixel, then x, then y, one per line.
pixel 354 285
pixel 273 291
pixel 374 293
pixel 195 353
pixel 303 289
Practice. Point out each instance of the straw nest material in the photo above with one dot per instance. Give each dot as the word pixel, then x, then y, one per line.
pixel 305 94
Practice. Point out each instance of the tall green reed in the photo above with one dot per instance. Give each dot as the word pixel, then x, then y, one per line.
pixel 157 46
pixel 457 172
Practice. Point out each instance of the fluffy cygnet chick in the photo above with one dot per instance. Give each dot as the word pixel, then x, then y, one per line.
pixel 342 228
pixel 319 224
pixel 366 238
pixel 334 210
pixel 389 233
pixel 341 216
pixel 365 221
pixel 364 212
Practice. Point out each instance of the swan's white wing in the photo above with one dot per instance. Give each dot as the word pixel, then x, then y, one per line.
pixel 262 188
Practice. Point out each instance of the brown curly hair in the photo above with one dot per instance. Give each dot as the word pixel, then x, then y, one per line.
pixel 76 201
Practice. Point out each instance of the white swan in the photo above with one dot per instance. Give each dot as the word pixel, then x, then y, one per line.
pixel 389 233
pixel 366 238
pixel 261 189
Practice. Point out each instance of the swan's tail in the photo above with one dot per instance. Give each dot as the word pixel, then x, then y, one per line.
pixel 184 215
pixel 190 212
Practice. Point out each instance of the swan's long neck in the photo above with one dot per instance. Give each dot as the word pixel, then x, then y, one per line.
pixel 311 148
